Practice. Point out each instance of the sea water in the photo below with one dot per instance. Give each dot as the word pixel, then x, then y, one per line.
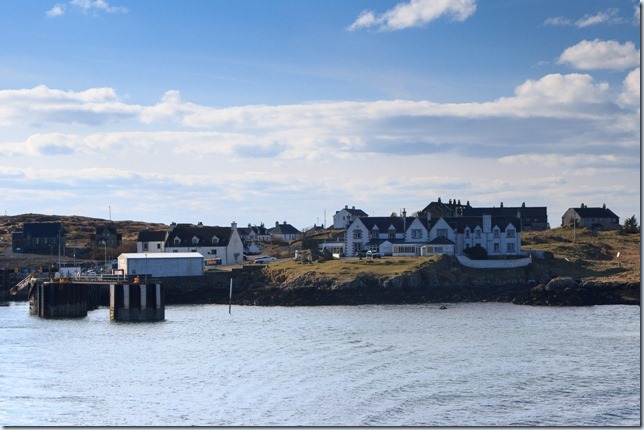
pixel 479 364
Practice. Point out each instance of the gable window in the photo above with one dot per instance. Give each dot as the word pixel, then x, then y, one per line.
pixel 441 232
pixel 477 233
pixel 357 234
pixel 392 233
pixel 510 232
pixel 467 233
pixel 496 232
pixel 416 233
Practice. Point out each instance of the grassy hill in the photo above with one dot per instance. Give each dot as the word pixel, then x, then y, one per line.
pixel 79 230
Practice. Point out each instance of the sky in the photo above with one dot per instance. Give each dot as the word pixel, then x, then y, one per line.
pixel 258 111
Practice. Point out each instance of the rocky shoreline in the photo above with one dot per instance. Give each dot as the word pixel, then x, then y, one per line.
pixel 443 282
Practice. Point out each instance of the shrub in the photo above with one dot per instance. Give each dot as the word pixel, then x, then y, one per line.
pixel 476 253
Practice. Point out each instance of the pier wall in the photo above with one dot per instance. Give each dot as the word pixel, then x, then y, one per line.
pixel 136 302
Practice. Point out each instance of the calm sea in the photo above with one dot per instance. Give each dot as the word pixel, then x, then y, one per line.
pixel 479 364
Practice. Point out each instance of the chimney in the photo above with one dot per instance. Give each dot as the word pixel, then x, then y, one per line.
pixel 233 225
pixel 277 223
pixel 199 224
pixel 404 214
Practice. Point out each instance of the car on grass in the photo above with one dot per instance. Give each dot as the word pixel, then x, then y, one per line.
pixel 265 259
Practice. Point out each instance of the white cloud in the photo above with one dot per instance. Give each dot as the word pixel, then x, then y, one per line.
pixel 415 13
pixel 631 88
pixel 607 16
pixel 557 21
pixel 87 7
pixel 600 54
pixel 57 10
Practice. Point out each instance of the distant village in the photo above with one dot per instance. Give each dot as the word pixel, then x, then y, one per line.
pixel 451 227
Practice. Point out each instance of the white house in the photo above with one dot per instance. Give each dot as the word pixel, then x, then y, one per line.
pixel 410 236
pixel 284 232
pixel 346 216
pixel 151 241
pixel 211 242
pixel 379 234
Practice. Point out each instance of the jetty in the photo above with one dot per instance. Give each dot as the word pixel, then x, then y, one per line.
pixel 61 297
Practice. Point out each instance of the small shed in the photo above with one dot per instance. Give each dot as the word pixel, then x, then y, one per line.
pixel 161 264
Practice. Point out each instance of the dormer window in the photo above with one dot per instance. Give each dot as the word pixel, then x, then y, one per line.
pixel 215 240
pixel 477 233
pixel 177 241
pixel 195 240
pixel 467 233
pixel 496 232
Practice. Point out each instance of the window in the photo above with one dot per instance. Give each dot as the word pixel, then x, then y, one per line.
pixel 145 246
pixel 158 246
pixel 195 240
pixel 467 233
pixel 510 247
pixel 497 248
pixel 357 234
pixel 441 232
pixel 215 240
pixel 416 233
pixel 392 233
pixel 510 232
pixel 177 241
pixel 496 233
pixel 477 233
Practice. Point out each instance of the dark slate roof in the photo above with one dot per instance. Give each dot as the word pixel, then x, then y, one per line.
pixel 525 211
pixel 284 229
pixel 384 222
pixel 111 229
pixel 462 222
pixel 204 234
pixel 440 240
pixel 595 212
pixel 356 212
pixel 152 236
pixel 43 229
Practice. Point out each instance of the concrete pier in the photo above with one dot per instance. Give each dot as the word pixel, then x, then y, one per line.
pixel 58 300
pixel 136 302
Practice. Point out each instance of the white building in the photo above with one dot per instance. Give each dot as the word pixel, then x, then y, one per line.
pixel 346 216
pixel 411 236
pixel 159 265
pixel 151 241
pixel 211 242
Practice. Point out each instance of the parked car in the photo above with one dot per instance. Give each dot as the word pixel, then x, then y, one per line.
pixel 367 253
pixel 90 274
pixel 265 259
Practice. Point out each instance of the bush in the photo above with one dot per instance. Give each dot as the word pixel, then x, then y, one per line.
pixel 476 253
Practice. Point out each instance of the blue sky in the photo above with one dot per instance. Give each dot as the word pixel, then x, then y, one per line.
pixel 263 111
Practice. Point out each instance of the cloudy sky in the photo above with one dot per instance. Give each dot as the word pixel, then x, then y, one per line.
pixel 261 111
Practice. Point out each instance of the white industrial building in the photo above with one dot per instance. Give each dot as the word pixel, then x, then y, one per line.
pixel 162 264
